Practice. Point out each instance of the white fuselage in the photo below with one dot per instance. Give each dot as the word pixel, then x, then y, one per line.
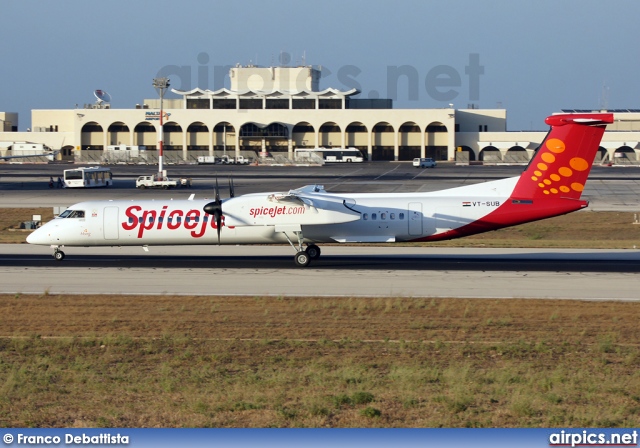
pixel 266 218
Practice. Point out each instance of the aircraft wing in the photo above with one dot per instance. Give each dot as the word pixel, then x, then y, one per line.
pixel 297 195
pixel 299 207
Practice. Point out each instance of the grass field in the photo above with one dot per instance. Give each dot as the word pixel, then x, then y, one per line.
pixel 135 361
pixel 10 219
pixel 162 361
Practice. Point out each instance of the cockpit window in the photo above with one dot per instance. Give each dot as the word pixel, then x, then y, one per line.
pixel 72 214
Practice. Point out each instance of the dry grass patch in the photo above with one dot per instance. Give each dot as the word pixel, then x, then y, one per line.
pixel 11 218
pixel 322 362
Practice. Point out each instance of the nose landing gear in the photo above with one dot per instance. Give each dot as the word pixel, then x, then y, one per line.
pixel 57 253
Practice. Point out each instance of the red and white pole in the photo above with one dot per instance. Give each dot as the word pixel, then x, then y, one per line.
pixel 160 143
pixel 161 85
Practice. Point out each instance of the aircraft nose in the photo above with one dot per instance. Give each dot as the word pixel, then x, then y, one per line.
pixel 33 237
pixel 38 236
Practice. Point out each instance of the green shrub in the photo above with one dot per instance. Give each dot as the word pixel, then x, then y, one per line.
pixel 361 398
pixel 370 412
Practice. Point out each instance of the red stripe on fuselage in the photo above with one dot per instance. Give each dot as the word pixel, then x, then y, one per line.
pixel 510 214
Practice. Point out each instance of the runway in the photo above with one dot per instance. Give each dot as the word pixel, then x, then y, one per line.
pixel 341 271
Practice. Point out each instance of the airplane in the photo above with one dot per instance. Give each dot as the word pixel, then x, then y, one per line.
pixel 551 185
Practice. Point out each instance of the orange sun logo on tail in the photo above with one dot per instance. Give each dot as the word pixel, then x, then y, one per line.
pixel 555 179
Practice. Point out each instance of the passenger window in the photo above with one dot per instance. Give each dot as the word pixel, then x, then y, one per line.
pixel 374 216
pixel 401 215
pixel 383 216
pixel 365 216
pixel 392 215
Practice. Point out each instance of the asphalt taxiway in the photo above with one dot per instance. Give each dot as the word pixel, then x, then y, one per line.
pixel 388 271
pixel 608 188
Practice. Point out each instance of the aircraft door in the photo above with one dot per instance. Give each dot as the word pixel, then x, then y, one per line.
pixel 110 223
pixel 415 218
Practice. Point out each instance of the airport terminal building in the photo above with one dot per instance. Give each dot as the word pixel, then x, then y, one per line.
pixel 268 112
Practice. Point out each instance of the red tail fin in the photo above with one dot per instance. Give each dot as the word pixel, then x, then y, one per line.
pixel 562 164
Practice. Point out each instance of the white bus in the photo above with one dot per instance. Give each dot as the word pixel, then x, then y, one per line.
pixel 330 154
pixel 87 177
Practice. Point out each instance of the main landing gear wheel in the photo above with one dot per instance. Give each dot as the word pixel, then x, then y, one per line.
pixel 313 251
pixel 58 255
pixel 302 259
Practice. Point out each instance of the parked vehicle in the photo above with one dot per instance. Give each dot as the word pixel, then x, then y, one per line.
pixel 206 160
pixel 424 163
pixel 224 160
pixel 153 182
pixel 330 154
pixel 241 160
pixel 87 177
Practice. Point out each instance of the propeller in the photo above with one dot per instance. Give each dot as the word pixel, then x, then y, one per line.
pixel 215 208
pixel 231 191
